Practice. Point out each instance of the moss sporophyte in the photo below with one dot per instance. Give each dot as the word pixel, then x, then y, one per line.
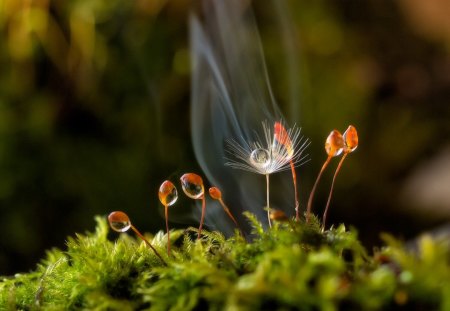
pixel 293 265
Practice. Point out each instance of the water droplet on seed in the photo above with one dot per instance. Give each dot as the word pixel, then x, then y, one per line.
pixel 334 145
pixel 260 157
pixel 119 221
pixel 167 193
pixel 192 185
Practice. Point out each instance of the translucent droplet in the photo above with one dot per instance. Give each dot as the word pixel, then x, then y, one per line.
pixel 351 138
pixel 260 157
pixel 334 145
pixel 192 185
pixel 119 221
pixel 215 193
pixel 167 193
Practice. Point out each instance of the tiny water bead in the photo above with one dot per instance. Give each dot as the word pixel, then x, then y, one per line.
pixel 167 193
pixel 119 221
pixel 334 145
pixel 351 138
pixel 192 185
pixel 260 157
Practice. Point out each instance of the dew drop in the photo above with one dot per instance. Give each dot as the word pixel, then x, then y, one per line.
pixel 351 138
pixel 215 193
pixel 192 185
pixel 334 145
pixel 167 193
pixel 119 221
pixel 260 157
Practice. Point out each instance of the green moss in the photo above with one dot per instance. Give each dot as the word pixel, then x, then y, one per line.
pixel 292 266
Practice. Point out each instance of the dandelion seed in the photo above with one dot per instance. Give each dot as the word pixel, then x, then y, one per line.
pixel 280 150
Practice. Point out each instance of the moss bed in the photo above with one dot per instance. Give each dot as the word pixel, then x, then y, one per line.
pixel 292 266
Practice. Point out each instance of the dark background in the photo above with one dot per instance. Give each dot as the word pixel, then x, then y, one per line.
pixel 94 112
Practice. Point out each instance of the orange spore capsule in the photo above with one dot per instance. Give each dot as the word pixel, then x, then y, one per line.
pixel 167 193
pixel 351 143
pixel 334 144
pixel 215 193
pixel 351 138
pixel 119 221
pixel 192 185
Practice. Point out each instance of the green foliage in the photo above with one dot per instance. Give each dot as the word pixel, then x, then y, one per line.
pixel 291 266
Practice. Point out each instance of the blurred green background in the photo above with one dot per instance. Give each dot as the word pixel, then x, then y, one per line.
pixel 94 112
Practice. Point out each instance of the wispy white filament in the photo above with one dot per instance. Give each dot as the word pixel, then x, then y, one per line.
pixel 240 155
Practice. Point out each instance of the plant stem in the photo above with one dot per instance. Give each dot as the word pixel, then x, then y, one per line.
pixel 324 218
pixel 268 204
pixel 294 180
pixel 202 217
pixel 148 243
pixel 311 195
pixel 227 210
pixel 166 212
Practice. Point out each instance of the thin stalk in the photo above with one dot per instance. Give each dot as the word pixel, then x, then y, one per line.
pixel 267 193
pixel 324 218
pixel 294 180
pixel 227 210
pixel 202 217
pixel 148 243
pixel 311 195
pixel 166 212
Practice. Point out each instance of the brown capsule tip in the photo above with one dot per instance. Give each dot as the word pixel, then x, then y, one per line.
pixel 119 221
pixel 278 215
pixel 215 193
pixel 192 185
pixel 167 193
pixel 334 145
pixel 351 138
